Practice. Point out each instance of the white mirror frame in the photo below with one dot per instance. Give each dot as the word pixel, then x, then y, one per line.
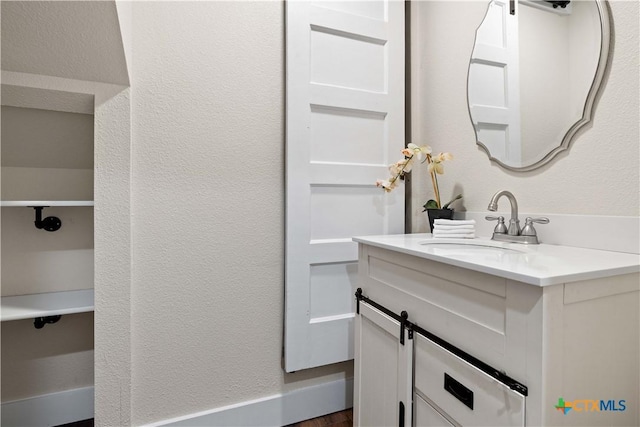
pixel 587 112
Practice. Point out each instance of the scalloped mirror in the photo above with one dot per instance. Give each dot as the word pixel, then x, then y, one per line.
pixel 534 73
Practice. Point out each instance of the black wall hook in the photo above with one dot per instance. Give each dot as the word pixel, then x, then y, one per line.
pixel 39 322
pixel 50 223
pixel 561 3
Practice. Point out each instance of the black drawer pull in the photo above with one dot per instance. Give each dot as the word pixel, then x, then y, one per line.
pixel 458 391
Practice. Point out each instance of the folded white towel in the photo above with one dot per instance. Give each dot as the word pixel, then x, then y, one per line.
pixel 455 222
pixel 453 227
pixel 443 232
pixel 463 231
pixel 454 236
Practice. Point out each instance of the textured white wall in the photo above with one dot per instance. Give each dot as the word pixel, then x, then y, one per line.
pixel 598 176
pixel 208 197
pixel 113 248
pixel 72 40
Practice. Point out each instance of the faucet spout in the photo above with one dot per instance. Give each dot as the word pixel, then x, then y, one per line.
pixel 514 222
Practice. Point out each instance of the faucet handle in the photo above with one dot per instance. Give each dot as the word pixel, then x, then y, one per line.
pixel 541 220
pixel 528 229
pixel 501 228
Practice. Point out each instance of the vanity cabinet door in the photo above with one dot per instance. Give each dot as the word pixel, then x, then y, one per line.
pixel 383 362
pixel 426 416
pixel 462 391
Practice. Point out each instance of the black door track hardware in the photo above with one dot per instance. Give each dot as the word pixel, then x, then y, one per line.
pixel 50 223
pixel 39 322
pixel 402 318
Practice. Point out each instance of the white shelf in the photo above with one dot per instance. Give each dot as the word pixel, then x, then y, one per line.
pixel 27 203
pixel 47 304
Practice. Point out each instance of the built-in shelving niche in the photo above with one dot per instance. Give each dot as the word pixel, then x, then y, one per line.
pixel 56 57
pixel 47 272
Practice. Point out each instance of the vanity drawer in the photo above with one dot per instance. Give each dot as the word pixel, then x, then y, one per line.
pixel 479 313
pixel 459 389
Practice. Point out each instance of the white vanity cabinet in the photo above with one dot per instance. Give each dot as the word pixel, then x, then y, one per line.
pixel 482 348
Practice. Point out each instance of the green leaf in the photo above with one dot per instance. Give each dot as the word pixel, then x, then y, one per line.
pixel 459 196
pixel 431 204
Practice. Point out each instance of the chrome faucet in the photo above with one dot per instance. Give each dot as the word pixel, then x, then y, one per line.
pixel 514 222
pixel 513 234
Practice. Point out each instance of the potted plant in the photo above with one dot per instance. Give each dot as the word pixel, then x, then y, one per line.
pixel 423 154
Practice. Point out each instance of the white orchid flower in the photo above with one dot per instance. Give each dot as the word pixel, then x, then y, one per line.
pixel 405 165
pixel 387 185
pixel 393 169
pixel 434 166
pixel 419 151
pixel 443 157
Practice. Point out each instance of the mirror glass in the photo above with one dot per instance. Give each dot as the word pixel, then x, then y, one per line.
pixel 535 70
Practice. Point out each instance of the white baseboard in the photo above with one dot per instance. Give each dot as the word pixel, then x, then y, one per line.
pixel 275 410
pixel 609 233
pixel 49 409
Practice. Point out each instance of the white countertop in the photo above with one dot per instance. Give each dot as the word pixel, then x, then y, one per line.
pixel 540 265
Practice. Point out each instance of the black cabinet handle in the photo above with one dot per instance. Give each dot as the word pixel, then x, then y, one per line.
pixel 458 391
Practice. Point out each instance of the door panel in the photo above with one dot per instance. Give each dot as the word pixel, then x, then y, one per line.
pixel 345 124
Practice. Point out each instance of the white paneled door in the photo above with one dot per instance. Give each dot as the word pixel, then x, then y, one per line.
pixel 494 83
pixel 345 124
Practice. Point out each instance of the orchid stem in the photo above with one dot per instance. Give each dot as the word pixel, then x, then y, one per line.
pixel 401 170
pixel 434 181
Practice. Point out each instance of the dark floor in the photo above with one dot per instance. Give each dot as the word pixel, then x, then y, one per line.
pixel 337 419
pixel 85 423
